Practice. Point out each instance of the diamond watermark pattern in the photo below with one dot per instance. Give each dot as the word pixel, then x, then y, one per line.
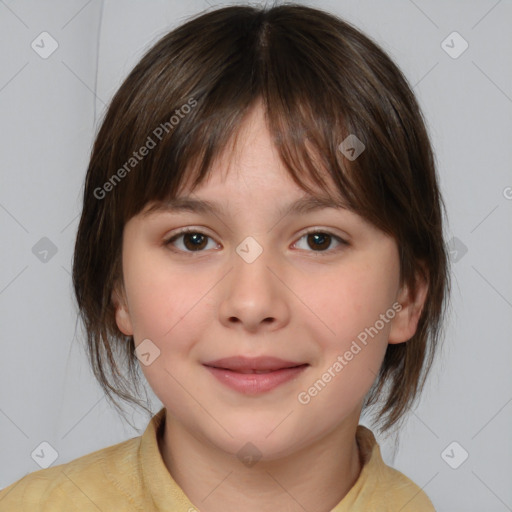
pixel 44 249
pixel 44 45
pixel 249 249
pixel 249 455
pixel 454 455
pixel 147 352
pixel 44 455
pixel 454 45
pixel 351 147
pixel 457 249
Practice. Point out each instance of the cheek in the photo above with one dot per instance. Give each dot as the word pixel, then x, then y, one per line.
pixel 355 309
pixel 166 308
pixel 355 299
pixel 171 308
pixel 158 299
pixel 352 340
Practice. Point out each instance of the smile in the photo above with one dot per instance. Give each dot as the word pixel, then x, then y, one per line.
pixel 253 382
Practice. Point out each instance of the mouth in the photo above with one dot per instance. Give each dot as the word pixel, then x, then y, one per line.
pixel 251 371
pixel 254 376
pixel 256 365
pixel 255 372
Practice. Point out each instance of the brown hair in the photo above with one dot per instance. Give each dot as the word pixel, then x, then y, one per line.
pixel 320 79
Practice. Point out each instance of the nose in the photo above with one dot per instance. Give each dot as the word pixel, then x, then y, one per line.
pixel 254 296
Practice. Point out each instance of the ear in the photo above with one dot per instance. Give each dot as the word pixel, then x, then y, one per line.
pixel 123 320
pixel 405 322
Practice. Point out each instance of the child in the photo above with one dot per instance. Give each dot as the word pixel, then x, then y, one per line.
pixel 262 235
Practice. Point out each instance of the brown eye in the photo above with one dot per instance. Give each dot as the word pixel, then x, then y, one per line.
pixel 193 241
pixel 321 242
pixel 190 241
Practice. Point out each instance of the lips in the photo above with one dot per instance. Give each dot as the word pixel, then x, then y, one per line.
pixel 258 365
pixel 254 376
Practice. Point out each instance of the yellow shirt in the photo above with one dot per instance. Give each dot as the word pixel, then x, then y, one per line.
pixel 132 476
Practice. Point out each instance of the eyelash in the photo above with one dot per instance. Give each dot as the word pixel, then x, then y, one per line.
pixel 184 231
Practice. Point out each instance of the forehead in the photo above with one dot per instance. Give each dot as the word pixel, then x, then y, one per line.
pixel 251 159
pixel 248 171
pixel 305 204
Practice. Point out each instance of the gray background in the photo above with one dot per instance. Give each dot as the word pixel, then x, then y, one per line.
pixel 49 111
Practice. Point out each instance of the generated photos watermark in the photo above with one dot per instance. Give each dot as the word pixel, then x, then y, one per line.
pixel 304 397
pixel 158 133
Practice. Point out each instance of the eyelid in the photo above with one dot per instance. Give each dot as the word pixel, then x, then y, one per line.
pixel 183 231
pixel 327 231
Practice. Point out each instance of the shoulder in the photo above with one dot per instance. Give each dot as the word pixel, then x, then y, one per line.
pixel 83 484
pixel 403 492
pixel 386 488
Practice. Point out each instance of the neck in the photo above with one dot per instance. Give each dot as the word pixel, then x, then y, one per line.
pixel 316 477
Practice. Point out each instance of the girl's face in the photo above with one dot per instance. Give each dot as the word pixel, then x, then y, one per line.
pixel 249 281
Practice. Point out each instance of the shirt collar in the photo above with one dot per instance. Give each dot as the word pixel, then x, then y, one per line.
pixel 166 494
pixel 157 481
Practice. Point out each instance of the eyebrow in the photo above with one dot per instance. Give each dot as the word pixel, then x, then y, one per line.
pixel 300 206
